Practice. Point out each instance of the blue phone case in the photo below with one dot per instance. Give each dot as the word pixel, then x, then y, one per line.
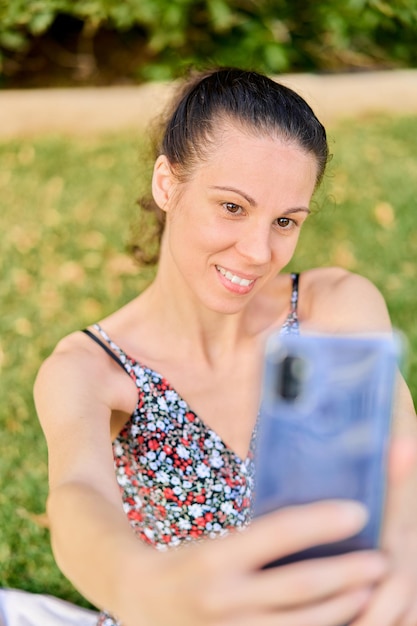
pixel 324 427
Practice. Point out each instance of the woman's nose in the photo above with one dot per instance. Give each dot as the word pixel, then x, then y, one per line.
pixel 255 245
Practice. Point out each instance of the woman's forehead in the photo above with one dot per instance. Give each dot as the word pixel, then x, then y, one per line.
pixel 233 136
pixel 234 147
pixel 259 167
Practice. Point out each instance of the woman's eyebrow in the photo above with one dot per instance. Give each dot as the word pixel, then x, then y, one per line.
pixel 297 210
pixel 238 191
pixel 253 202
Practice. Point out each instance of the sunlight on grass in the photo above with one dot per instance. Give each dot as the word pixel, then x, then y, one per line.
pixel 68 211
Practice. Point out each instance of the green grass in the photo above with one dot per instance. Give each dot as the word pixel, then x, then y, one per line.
pixel 68 207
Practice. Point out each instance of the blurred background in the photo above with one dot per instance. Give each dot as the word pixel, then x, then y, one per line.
pixel 102 42
pixel 69 217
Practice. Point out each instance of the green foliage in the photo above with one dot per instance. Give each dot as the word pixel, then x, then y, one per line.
pixel 270 35
pixel 68 211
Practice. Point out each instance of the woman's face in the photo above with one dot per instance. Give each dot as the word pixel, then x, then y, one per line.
pixel 234 225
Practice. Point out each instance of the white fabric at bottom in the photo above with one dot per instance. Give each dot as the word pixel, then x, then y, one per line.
pixel 21 608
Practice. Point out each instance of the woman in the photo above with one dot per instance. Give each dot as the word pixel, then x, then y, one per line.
pixel 239 161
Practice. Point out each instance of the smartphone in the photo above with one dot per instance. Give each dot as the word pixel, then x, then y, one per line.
pixel 324 427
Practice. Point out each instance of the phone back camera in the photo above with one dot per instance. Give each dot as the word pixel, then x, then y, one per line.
pixel 291 376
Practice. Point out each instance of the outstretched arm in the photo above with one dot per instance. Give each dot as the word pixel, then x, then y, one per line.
pixel 89 530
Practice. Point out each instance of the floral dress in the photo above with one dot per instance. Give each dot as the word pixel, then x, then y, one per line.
pixel 178 480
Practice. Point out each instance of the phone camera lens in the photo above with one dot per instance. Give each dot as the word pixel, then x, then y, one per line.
pixel 291 376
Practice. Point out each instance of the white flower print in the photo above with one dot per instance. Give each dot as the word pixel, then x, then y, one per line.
pixel 227 507
pixel 182 452
pixel 162 477
pixel 202 470
pixel 216 461
pixel 118 449
pixel 195 510
pixel 184 524
pixel 171 396
pixel 162 404
pixel 135 430
pixel 123 480
pixel 149 533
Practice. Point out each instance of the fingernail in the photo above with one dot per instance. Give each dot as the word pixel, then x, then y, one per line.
pixel 355 512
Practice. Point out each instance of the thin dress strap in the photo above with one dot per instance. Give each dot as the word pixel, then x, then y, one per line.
pixel 291 325
pixel 294 293
pixel 103 345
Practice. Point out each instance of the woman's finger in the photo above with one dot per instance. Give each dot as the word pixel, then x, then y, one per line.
pixel 300 583
pixel 388 604
pixel 287 531
pixel 332 612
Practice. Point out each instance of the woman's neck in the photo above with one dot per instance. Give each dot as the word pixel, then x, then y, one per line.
pixel 195 328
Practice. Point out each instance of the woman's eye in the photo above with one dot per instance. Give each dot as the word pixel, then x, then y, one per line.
pixel 231 207
pixel 285 222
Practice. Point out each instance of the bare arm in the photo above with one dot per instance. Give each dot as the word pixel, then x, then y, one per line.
pixel 89 529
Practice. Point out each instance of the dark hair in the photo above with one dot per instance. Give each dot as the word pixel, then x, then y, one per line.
pixel 258 103
pixel 254 100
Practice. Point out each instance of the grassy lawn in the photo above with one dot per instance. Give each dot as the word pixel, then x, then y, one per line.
pixel 68 209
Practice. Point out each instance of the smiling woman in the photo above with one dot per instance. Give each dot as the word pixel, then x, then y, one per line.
pixel 154 429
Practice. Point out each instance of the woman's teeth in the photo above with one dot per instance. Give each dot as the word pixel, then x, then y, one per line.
pixel 244 282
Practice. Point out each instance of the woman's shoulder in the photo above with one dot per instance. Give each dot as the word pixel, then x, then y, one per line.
pixel 78 367
pixel 333 299
pixel 320 280
pixel 75 350
pixel 71 362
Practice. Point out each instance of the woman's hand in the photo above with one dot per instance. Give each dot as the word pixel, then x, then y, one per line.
pixel 394 602
pixel 220 582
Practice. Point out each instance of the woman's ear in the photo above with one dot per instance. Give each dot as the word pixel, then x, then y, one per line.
pixel 163 182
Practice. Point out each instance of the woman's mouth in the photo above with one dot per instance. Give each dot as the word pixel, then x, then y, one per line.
pixel 234 278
